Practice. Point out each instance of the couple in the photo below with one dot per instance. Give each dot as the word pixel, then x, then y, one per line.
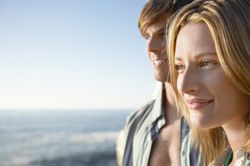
pixel 208 49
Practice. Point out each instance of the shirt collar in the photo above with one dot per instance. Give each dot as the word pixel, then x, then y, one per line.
pixel 158 108
pixel 158 119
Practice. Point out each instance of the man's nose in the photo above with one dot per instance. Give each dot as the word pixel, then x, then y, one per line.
pixel 154 44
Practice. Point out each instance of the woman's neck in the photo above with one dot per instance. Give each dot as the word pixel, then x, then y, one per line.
pixel 236 135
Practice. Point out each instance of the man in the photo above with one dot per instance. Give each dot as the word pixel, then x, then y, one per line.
pixel 152 134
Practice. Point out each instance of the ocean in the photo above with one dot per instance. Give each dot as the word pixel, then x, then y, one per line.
pixel 59 138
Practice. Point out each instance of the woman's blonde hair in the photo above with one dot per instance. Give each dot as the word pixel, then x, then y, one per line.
pixel 229 24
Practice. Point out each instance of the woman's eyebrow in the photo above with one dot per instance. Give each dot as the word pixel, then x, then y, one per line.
pixel 198 55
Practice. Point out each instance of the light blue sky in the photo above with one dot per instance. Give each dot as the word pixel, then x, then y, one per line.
pixel 72 54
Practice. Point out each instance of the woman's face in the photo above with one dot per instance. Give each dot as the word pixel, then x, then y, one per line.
pixel 211 98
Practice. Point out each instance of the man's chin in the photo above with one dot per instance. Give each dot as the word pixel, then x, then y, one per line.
pixel 162 77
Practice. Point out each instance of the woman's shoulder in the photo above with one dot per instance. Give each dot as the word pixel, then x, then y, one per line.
pixel 242 158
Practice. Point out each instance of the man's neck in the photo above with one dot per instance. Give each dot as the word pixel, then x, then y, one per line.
pixel 171 113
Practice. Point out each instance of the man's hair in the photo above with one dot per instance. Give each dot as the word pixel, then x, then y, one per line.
pixel 155 9
pixel 229 24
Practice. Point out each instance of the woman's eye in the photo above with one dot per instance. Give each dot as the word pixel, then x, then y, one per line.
pixel 204 63
pixel 208 64
pixel 179 68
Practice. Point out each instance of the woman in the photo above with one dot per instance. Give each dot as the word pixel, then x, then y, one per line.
pixel 209 54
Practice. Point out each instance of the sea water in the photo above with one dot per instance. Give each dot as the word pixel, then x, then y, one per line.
pixel 59 138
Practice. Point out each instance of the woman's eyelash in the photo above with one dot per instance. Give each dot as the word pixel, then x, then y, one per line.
pixel 204 64
pixel 207 62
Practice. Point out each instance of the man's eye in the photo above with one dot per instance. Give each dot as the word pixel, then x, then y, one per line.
pixel 162 35
pixel 146 37
pixel 179 68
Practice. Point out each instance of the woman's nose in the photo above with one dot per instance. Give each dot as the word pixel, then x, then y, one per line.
pixel 188 82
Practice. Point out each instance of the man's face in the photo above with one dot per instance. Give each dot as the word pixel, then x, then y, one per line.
pixel 155 36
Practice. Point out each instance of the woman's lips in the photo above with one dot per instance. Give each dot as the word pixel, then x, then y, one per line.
pixel 197 103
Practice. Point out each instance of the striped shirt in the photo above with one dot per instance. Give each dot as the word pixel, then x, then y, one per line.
pixel 189 156
pixel 141 129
